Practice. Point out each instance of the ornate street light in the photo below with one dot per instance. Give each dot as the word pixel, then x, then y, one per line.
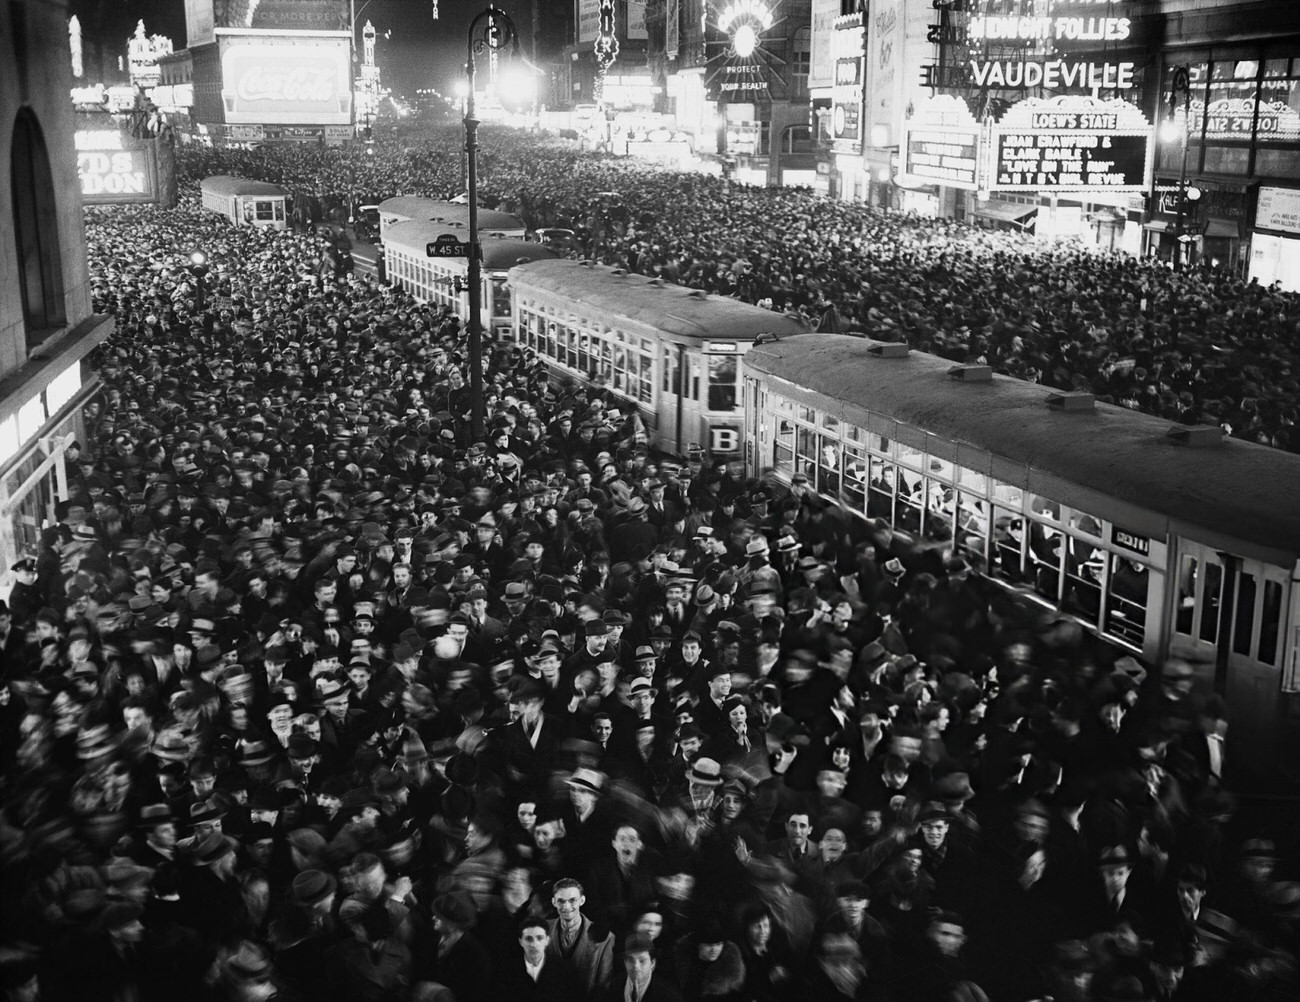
pixel 490 31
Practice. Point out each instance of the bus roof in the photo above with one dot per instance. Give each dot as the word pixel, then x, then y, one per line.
pixel 674 309
pixel 453 213
pixel 225 184
pixel 498 252
pixel 1234 488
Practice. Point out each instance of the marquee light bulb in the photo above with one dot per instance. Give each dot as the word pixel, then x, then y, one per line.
pixel 745 40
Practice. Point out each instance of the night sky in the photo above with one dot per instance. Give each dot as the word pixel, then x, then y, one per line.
pixel 420 52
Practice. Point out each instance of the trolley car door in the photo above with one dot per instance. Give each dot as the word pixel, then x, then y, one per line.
pixel 1230 615
pixel 672 374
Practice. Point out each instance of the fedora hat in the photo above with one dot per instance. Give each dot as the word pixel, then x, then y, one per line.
pixel 155 814
pixel 455 909
pixel 954 786
pixel 212 848
pixel 705 772
pixel 313 886
pixel 587 779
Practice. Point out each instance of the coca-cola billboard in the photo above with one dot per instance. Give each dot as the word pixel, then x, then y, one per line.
pixel 286 82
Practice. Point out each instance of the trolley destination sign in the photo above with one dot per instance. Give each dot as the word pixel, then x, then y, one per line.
pixel 1070 144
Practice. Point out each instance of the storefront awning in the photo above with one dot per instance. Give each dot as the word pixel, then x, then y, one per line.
pixel 1222 228
pixel 1006 212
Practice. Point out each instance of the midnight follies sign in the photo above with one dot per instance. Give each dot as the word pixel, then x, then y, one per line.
pixel 1070 144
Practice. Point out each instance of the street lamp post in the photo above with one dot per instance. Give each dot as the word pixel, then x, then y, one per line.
pixel 490 30
pixel 1180 82
pixel 198 268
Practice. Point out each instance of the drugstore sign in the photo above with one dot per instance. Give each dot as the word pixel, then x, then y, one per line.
pixel 114 168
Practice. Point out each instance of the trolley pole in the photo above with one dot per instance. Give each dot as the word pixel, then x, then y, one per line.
pixel 491 29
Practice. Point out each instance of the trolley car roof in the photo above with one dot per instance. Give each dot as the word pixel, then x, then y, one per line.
pixel 498 252
pixel 655 303
pixel 1232 487
pixel 226 184
pixel 450 213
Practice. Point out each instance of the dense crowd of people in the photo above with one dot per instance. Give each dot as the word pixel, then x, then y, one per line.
pixel 1201 345
pixel 309 694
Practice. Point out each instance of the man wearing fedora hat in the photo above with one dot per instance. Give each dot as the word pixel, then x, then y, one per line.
pixel 456 958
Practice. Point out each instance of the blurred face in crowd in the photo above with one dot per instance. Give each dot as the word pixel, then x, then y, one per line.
pixel 948 937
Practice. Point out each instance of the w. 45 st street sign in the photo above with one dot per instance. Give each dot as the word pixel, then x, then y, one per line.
pixel 447 246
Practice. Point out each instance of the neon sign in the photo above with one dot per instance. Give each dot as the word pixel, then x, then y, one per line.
pixel 739 11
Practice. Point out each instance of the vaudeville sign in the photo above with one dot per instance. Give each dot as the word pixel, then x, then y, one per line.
pixel 1071 144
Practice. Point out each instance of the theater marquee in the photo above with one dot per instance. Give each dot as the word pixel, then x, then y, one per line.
pixel 1070 144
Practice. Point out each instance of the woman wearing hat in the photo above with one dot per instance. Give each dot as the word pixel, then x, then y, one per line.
pixel 740 740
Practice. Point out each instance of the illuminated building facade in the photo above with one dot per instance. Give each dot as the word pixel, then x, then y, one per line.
pixel 736 78
pixel 1165 127
pixel 271 71
pixel 47 328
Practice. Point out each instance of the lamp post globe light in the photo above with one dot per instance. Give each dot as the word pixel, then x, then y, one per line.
pixel 198 267
pixel 491 30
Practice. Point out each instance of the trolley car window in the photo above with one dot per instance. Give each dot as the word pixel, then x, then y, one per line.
pixel 500 296
pixel 1126 600
pixel 1187 569
pixel 1044 508
pixel 972 526
pixel 1211 597
pixel 828 466
pixel 1008 545
pixel 722 382
pixel 806 448
pixel 853 490
pixel 880 501
pixel 970 481
pixel 941 512
pixel 1085 567
pixel 1270 623
pixel 1243 629
pixel 913 459
pixel 620 369
pixel 783 447
pixel 265 210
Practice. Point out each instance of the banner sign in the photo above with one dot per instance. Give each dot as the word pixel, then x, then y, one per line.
pixel 821 60
pixel 1071 144
pixel 941 144
pixel 1278 209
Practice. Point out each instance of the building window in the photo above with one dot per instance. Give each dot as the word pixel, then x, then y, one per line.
pixel 36 230
pixel 802 62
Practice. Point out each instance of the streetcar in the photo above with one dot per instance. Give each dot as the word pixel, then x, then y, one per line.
pixel 1166 540
pixel 452 215
pixel 668 352
pixel 245 202
pixel 444 280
